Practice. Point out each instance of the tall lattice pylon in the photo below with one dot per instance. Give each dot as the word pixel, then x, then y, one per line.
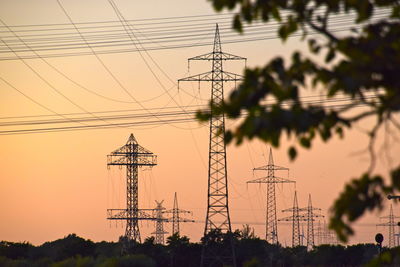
pixel 159 232
pixel 310 216
pixel 133 156
pixel 295 219
pixel 217 216
pixel 391 225
pixel 271 226
pixel 176 216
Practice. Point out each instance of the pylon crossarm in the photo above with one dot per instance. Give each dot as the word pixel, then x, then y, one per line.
pixel 208 77
pixel 291 218
pixel 267 180
pixel 222 55
pixel 180 220
pixel 387 224
pixel 142 160
pixel 271 167
pixel 307 209
pixel 180 211
pixel 286 219
pixel 388 217
pixel 123 214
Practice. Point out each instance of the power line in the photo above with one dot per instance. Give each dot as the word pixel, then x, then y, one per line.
pixel 259 32
pixel 145 121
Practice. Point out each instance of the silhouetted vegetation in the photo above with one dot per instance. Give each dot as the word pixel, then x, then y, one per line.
pixel 73 250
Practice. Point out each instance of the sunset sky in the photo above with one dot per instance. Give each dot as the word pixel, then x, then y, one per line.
pixel 57 183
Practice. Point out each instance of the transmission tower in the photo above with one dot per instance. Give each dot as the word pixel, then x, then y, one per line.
pixel 217 217
pixel 295 219
pixel 176 216
pixel 271 229
pixel 133 156
pixel 302 236
pixel 320 234
pixel 324 235
pixel 159 232
pixel 310 218
pixel 390 224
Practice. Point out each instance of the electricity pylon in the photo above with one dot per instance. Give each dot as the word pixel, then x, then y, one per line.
pixel 217 218
pixel 390 224
pixel 133 156
pixel 320 234
pixel 324 235
pixel 271 229
pixel 176 216
pixel 302 236
pixel 310 218
pixel 295 219
pixel 158 214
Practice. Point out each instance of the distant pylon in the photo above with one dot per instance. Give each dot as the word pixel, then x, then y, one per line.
pixel 133 156
pixel 271 229
pixel 390 224
pixel 397 236
pixel 295 219
pixel 302 236
pixel 159 232
pixel 310 218
pixel 176 216
pixel 319 234
pixel 217 218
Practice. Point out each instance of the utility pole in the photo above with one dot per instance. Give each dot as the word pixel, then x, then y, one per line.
pixel 217 218
pixel 176 216
pixel 295 219
pixel 132 156
pixel 271 229
pixel 390 224
pixel 159 232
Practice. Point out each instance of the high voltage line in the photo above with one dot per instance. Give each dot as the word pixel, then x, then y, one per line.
pixel 141 119
pixel 180 34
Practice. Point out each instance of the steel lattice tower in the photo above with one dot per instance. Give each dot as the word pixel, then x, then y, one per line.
pixel 310 218
pixel 217 217
pixel 158 214
pixel 133 156
pixel 271 229
pixel 390 224
pixel 295 219
pixel 176 216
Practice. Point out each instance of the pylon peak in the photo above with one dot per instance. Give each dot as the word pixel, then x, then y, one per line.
pixel 132 139
pixel 271 158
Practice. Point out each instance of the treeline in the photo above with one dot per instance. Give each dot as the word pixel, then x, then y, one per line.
pixel 250 251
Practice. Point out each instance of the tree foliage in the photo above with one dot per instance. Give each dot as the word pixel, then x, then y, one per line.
pixel 362 63
pixel 179 251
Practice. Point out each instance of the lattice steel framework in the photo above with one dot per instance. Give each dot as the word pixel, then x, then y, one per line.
pixel 295 219
pixel 391 225
pixel 159 215
pixel 271 226
pixel 324 235
pixel 133 156
pixel 310 218
pixel 217 217
pixel 176 216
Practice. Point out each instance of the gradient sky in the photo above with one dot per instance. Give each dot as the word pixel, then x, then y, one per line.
pixel 54 184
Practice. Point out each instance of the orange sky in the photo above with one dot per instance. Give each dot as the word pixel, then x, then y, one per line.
pixel 53 184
